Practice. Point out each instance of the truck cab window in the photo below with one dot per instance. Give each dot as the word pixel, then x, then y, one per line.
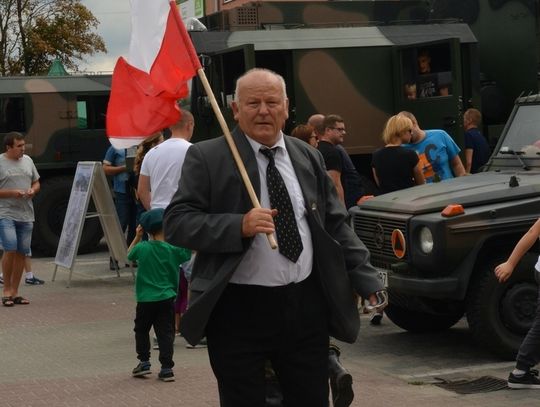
pixel 427 72
pixel 91 111
pixel 82 115
pixel 12 115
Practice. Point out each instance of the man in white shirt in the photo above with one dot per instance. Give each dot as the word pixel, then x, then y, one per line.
pixel 162 166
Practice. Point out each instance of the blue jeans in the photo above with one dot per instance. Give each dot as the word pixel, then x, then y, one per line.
pixel 127 213
pixel 529 351
pixel 16 235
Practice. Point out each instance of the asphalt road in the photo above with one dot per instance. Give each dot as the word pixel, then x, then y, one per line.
pixel 75 347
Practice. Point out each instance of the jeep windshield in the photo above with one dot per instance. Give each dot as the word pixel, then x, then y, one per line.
pixel 523 135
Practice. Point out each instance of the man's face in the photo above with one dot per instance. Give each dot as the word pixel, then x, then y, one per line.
pixel 406 135
pixel 190 126
pixel 466 122
pixel 17 150
pixel 336 133
pixel 416 132
pixel 261 109
pixel 424 64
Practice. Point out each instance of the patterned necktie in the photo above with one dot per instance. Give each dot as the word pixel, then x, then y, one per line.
pixel 288 237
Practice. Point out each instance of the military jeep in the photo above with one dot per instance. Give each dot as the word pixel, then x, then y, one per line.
pixel 437 244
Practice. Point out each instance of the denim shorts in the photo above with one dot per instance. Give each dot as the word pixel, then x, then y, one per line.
pixel 16 235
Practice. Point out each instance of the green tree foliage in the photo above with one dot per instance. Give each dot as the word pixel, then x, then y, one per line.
pixel 35 32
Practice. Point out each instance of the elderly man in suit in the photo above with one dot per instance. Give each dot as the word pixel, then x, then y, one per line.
pixel 254 303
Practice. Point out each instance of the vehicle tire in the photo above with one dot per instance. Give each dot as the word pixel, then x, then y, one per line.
pixel 499 315
pixel 412 313
pixel 50 206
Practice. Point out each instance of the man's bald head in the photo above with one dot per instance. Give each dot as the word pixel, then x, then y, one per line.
pixel 317 122
pixel 183 128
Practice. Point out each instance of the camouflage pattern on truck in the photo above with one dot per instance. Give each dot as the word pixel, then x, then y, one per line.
pixel 358 72
pixel 63 119
pixel 358 58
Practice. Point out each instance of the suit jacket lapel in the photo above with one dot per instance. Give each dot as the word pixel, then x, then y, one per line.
pixel 248 157
pixel 304 172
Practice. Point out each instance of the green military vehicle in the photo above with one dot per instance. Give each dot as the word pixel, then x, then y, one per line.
pixel 359 59
pixel 63 119
pixel 437 244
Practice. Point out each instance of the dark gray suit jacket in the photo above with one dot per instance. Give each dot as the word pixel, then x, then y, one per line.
pixel 206 215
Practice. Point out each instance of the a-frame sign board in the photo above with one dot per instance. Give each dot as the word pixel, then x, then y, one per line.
pixel 89 181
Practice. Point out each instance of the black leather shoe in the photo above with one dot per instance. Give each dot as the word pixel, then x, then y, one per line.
pixel 340 380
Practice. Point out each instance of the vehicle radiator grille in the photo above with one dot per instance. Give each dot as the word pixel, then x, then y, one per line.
pixel 376 233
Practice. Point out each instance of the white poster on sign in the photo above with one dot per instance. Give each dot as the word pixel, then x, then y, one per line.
pixel 89 181
pixel 75 215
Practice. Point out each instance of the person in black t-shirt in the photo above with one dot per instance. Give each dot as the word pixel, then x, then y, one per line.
pixel 352 185
pixel 334 133
pixel 395 167
pixel 430 83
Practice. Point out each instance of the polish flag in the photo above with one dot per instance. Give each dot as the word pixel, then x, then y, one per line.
pixel 147 84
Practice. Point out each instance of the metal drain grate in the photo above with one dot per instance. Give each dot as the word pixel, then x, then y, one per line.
pixel 482 384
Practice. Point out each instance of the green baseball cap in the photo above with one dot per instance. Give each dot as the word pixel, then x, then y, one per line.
pixel 152 220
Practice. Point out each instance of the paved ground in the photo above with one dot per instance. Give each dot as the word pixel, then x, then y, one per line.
pixel 75 347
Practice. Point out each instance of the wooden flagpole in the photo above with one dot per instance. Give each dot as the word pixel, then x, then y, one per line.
pixel 217 111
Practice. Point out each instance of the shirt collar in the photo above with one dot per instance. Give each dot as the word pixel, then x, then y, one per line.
pixel 256 146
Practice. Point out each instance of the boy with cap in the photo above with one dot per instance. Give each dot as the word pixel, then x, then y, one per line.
pixel 155 290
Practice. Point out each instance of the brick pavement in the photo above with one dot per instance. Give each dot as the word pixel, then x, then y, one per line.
pixel 75 347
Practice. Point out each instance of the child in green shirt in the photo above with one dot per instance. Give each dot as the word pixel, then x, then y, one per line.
pixel 155 291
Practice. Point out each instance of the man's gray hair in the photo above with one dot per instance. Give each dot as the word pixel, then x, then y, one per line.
pixel 262 70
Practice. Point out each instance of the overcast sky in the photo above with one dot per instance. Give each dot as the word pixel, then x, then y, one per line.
pixel 114 28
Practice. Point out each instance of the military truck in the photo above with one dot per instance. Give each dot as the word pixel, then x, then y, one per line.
pixel 437 244
pixel 63 119
pixel 358 58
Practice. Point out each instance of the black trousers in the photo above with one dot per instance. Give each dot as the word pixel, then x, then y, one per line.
pixel 529 351
pixel 160 315
pixel 286 325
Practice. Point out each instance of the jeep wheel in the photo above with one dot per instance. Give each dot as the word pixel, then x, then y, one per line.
pixel 410 313
pixel 499 315
pixel 50 206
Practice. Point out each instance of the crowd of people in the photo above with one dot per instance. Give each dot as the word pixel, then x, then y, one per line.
pixel 267 316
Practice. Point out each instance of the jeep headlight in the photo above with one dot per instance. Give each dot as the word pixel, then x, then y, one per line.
pixel 426 240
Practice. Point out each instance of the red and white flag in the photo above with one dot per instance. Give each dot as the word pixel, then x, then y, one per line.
pixel 147 84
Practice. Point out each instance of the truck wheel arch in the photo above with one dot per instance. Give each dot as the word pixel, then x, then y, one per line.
pixel 480 254
pixel 500 314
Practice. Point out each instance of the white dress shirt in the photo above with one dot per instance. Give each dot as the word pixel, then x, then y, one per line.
pixel 261 265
